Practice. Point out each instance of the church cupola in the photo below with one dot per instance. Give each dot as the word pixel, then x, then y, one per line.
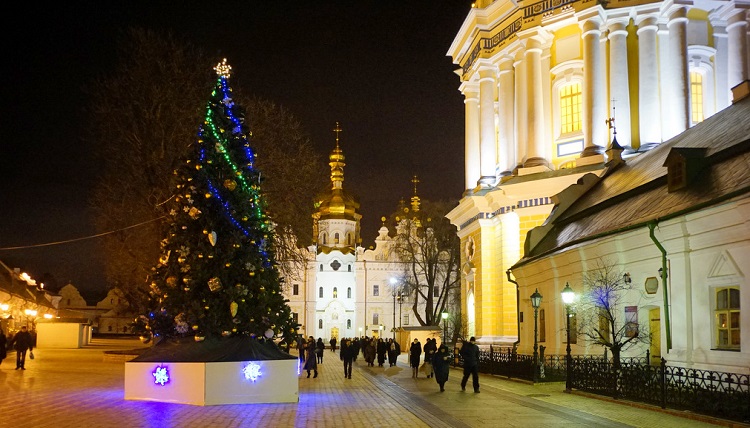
pixel 336 223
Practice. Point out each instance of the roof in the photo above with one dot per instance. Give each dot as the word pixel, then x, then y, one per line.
pixel 633 194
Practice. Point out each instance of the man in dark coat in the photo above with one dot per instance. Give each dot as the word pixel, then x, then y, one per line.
pixel 347 353
pixel 382 349
pixel 441 363
pixel 333 344
pixel 470 352
pixel 22 342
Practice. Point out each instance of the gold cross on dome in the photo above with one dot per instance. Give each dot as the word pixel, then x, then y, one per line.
pixel 223 69
pixel 337 130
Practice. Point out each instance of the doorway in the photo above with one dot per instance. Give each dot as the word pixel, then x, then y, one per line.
pixel 654 329
pixel 335 333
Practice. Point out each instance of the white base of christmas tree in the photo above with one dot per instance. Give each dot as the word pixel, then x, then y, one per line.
pixel 213 383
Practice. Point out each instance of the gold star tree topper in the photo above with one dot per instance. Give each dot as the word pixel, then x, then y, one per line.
pixel 223 69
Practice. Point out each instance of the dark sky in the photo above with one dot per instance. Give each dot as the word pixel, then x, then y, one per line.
pixel 377 67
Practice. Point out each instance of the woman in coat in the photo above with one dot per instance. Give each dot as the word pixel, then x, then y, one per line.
pixel 311 362
pixel 382 349
pixel 441 363
pixel 319 348
pixel 370 352
pixel 415 354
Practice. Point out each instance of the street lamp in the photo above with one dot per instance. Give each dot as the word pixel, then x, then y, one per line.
pixel 381 330
pixel 394 294
pixel 536 301
pixel 445 329
pixel 568 295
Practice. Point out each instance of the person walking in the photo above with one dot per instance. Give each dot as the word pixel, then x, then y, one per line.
pixel 415 354
pixel 347 353
pixel 370 352
pixel 3 343
pixel 310 358
pixel 441 363
pixel 22 342
pixel 319 348
pixel 430 347
pixel 391 352
pixel 333 344
pixel 382 349
pixel 470 353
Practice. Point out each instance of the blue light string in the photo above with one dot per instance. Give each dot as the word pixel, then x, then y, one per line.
pixel 225 205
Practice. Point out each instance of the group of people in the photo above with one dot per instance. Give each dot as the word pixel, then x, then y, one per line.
pixel 22 342
pixel 436 362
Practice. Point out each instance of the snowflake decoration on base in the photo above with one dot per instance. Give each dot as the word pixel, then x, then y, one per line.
pixel 252 371
pixel 161 375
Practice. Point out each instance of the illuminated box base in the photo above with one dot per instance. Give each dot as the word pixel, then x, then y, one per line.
pixel 207 384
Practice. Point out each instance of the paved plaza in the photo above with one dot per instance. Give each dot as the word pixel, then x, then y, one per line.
pixel 80 388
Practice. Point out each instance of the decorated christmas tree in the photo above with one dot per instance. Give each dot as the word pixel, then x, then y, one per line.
pixel 217 276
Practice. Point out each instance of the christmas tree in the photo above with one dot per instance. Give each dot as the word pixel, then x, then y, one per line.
pixel 217 275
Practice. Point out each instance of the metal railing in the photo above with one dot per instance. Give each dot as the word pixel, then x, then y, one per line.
pixel 718 394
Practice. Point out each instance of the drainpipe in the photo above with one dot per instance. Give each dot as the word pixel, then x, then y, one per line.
pixel 651 225
pixel 518 310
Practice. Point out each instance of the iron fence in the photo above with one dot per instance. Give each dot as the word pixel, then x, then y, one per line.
pixel 718 394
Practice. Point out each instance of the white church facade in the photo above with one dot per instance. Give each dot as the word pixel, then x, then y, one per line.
pixel 347 290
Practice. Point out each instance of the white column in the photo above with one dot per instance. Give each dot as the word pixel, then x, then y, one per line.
pixel 649 119
pixel 487 142
pixel 534 104
pixel 723 92
pixel 737 48
pixel 506 94
pixel 619 79
pixel 471 137
pixel 677 74
pixel 594 96
pixel 520 108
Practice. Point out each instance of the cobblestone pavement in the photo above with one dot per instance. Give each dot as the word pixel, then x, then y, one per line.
pixel 79 388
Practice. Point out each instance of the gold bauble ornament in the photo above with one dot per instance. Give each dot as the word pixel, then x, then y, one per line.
pixel 230 184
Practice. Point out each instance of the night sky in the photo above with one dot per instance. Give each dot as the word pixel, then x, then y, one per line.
pixel 377 67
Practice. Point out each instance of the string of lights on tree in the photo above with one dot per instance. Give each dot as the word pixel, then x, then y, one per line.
pixel 217 273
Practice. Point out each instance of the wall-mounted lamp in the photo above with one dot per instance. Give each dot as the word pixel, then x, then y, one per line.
pixel 626 278
pixel 665 273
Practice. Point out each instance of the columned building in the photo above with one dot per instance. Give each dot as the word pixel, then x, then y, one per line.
pixel 547 86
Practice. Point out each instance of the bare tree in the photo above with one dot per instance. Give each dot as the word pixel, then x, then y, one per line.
pixel 144 117
pixel 604 316
pixel 428 246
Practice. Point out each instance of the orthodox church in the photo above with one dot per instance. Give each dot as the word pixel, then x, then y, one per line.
pixel 559 95
pixel 346 290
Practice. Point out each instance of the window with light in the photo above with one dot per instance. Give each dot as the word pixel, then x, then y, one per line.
pixel 570 108
pixel 727 318
pixel 696 97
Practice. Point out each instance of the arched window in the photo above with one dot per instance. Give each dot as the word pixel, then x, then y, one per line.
pixel 320 323
pixel 321 267
pixel 348 239
pixel 320 292
pixel 336 238
pixel 567 108
pixel 335 292
pixel 375 319
pixel 349 268
pixel 701 75
pixel 349 292
pixel 324 238
pixel 348 323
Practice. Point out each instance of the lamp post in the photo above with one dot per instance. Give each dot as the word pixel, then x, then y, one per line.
pixel 445 323
pixel 568 295
pixel 536 301
pixel 393 293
